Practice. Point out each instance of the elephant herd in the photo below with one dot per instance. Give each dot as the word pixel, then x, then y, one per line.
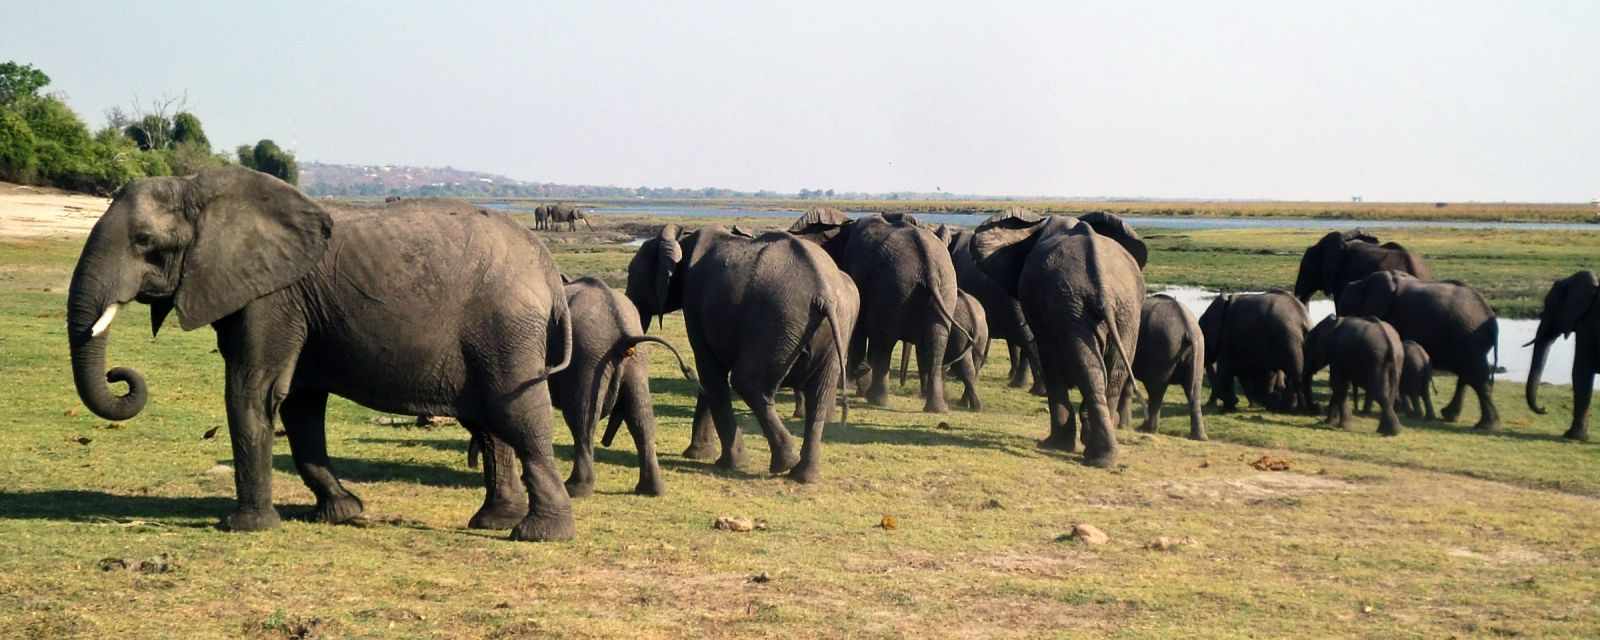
pixel 446 309
pixel 547 216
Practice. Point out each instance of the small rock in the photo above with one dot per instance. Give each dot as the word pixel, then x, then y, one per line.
pixel 1269 463
pixel 944 426
pixel 220 470
pixel 70 413
pixel 210 433
pixel 735 523
pixel 1205 463
pixel 159 564
pixel 1088 534
pixel 112 564
pixel 1164 543
pixel 83 440
pixel 993 503
pixel 888 523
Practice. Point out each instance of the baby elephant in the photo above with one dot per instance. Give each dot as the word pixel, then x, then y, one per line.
pixel 1360 352
pixel 608 376
pixel 972 353
pixel 1416 381
pixel 1171 350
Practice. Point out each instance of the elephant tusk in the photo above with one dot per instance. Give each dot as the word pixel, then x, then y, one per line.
pixel 104 321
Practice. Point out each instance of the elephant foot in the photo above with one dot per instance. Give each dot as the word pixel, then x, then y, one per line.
pixel 701 451
pixel 580 488
pixel 1039 390
pixel 1487 425
pixel 805 473
pixel 252 520
pixel 1100 460
pixel 879 400
pixel 730 461
pixel 1449 414
pixel 1389 431
pixel 503 516
pixel 339 509
pixel 935 407
pixel 1146 428
pixel 545 528
pixel 1062 444
pixel 782 461
pixel 652 487
pixel 1017 383
pixel 1581 434
pixel 1198 436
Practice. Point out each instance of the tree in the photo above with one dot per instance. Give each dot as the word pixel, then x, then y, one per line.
pixel 16 148
pixel 186 129
pixel 247 155
pixel 20 81
pixel 270 158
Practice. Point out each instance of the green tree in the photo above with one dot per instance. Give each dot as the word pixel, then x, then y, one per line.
pixel 16 148
pixel 186 129
pixel 247 155
pixel 19 81
pixel 187 158
pixel 272 159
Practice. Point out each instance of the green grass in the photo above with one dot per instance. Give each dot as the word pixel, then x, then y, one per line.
pixel 1439 532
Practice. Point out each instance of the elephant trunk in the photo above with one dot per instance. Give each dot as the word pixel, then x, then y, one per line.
pixel 89 375
pixel 1541 350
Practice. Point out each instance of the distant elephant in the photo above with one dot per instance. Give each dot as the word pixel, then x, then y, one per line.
pixel 1339 258
pixel 1081 284
pixel 1006 320
pixel 762 313
pixel 1171 349
pixel 970 315
pixel 1569 308
pixel 541 217
pixel 1257 337
pixel 570 214
pixel 1451 321
pixel 609 376
pixel 430 309
pixel 908 293
pixel 1358 352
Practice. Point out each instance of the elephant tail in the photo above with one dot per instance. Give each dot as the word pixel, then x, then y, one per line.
pixel 945 311
pixel 905 360
pixel 830 311
pixel 1494 339
pixel 1127 359
pixel 604 397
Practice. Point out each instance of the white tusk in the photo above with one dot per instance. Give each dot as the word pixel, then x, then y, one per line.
pixel 104 321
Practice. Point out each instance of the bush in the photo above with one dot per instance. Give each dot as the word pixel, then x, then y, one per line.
pixel 16 148
pixel 186 130
pixel 269 158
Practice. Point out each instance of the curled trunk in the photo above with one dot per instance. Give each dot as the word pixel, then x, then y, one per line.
pixel 92 380
pixel 1541 349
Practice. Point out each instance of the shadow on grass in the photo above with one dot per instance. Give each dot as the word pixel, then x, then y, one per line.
pixel 363 470
pixel 620 453
pixel 75 505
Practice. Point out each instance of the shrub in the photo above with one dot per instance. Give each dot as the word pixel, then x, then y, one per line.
pixel 16 148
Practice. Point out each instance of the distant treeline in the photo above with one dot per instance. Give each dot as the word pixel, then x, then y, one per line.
pixel 43 142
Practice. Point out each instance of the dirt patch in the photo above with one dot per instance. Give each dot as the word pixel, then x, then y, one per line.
pixel 1255 488
pixel 1506 556
pixel 35 212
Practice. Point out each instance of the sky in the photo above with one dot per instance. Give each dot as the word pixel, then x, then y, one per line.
pixel 1393 100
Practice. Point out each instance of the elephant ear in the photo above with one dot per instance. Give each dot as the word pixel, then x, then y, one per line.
pixel 1001 247
pixel 565 279
pixel 741 232
pixel 254 234
pixel 1576 299
pixel 819 220
pixel 944 234
pixel 1357 235
pixel 902 219
pixel 1114 227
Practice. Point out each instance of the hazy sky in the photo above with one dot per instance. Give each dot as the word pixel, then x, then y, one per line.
pixel 1389 100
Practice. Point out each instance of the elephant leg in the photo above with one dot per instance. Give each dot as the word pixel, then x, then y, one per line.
pixel 762 405
pixel 641 420
pixel 821 393
pixel 1427 402
pixel 1152 412
pixel 1384 393
pixel 1222 388
pixel 1366 403
pixel 257 380
pixel 1488 416
pixel 878 356
pixel 1063 424
pixel 1100 388
pixel 1582 390
pixel 1452 410
pixel 580 483
pixel 967 370
pixel 1191 394
pixel 1341 400
pixel 719 402
pixel 703 439
pixel 523 418
pixel 303 415
pixel 505 501
pixel 930 359
pixel 1031 352
pixel 1017 376
pixel 1335 397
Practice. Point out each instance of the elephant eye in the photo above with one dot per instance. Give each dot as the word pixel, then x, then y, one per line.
pixel 143 239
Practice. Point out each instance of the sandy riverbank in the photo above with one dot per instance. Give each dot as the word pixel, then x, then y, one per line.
pixel 42 212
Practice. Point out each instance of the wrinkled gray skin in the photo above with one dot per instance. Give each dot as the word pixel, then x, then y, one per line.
pixel 761 313
pixel 420 308
pixel 609 376
pixel 1171 350
pixel 908 293
pixel 1416 381
pixel 1343 257
pixel 970 316
pixel 1450 320
pixel 1257 337
pixel 1081 284
pixel 1006 320
pixel 1569 308
pixel 563 213
pixel 1359 352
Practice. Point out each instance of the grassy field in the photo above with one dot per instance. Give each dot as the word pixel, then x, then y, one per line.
pixel 1440 532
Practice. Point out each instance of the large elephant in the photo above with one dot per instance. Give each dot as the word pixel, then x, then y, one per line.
pixel 1342 257
pixel 569 214
pixel 1451 321
pixel 450 311
pixel 1171 349
pixel 1257 337
pixel 1006 320
pixel 761 314
pixel 1359 352
pixel 908 293
pixel 609 376
pixel 1569 308
pixel 1081 284
pixel 970 315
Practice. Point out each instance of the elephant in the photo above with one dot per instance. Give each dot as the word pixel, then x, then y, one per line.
pixel 1362 352
pixel 424 309
pixel 754 309
pixel 1568 309
pixel 1006 320
pixel 970 315
pixel 1416 381
pixel 609 376
pixel 1451 321
pixel 541 217
pixel 1257 337
pixel 570 214
pixel 1081 285
pixel 1339 258
pixel 908 291
pixel 1170 349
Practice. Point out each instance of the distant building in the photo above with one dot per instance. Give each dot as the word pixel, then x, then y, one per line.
pixel 1355 198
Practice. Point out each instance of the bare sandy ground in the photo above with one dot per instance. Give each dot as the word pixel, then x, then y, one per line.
pixel 42 212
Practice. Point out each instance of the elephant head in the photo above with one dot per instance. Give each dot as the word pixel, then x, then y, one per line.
pixel 825 226
pixel 1373 295
pixel 1319 267
pixel 1568 301
pixel 1001 244
pixel 651 283
pixel 205 245
pixel 1316 347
